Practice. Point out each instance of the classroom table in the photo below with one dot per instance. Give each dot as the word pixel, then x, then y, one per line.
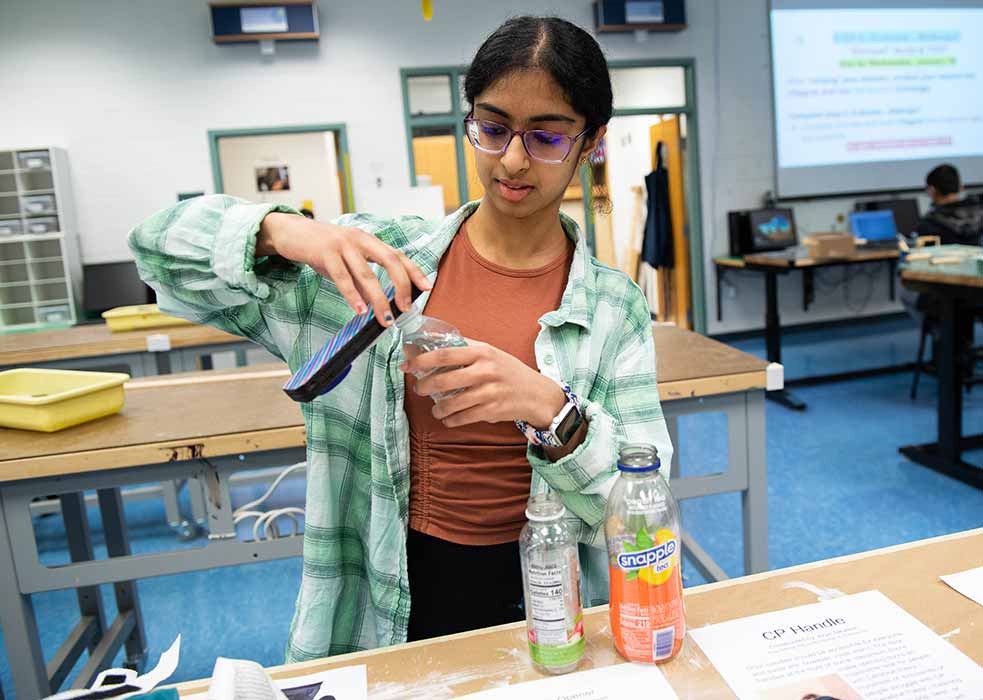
pixel 781 263
pixel 93 346
pixel 180 427
pixel 139 353
pixel 465 663
pixel 957 287
pixel 171 428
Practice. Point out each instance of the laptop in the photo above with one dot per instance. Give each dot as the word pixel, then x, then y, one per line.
pixel 876 227
pixel 906 212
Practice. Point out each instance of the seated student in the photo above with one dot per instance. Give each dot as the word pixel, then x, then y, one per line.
pixel 954 217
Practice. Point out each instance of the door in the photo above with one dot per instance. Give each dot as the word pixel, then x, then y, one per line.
pixel 301 170
pixel 674 284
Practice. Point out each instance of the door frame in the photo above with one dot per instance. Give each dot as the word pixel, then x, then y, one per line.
pixel 341 139
pixel 453 119
pixel 691 173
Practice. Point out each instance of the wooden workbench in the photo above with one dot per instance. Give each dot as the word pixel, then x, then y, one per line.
pixel 165 418
pixel 208 426
pixel 967 272
pixel 797 259
pixel 466 663
pixel 692 365
pixel 97 340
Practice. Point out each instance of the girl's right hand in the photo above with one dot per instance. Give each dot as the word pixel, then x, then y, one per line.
pixel 342 255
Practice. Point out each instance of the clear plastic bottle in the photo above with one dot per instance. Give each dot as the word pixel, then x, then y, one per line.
pixel 551 583
pixel 641 527
pixel 422 334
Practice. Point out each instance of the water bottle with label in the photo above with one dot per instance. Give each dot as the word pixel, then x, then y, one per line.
pixel 422 334
pixel 551 582
pixel 641 526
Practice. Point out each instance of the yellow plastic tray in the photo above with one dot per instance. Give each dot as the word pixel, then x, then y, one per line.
pixel 131 318
pixel 52 399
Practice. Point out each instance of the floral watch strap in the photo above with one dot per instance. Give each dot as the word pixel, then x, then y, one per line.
pixel 547 437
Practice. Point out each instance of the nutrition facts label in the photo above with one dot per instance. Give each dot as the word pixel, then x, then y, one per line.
pixel 546 587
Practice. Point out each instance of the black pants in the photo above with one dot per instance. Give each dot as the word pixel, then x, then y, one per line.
pixel 458 588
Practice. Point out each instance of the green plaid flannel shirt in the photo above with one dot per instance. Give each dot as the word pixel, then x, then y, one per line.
pixel 199 256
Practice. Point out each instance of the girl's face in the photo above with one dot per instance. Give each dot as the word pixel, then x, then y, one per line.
pixel 515 183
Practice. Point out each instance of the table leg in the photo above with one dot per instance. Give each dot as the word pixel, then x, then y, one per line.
pixel 773 324
pixel 20 628
pixel 127 599
pixel 950 410
pixel 720 296
pixel 672 427
pixel 196 492
pixel 945 456
pixel 808 288
pixel 773 339
pixel 754 500
pixel 185 528
pixel 892 275
pixel 92 624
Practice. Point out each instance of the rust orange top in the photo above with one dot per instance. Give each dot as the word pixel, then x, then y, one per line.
pixel 470 484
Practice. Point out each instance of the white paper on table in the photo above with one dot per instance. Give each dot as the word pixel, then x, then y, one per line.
pixel 347 683
pixel 608 683
pixel 165 667
pixel 969 583
pixel 859 647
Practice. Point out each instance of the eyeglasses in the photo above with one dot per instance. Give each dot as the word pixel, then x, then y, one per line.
pixel 543 145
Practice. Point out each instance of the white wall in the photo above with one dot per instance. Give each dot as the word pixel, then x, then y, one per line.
pixel 310 157
pixel 130 88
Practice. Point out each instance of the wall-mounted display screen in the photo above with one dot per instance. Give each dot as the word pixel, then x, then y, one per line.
pixel 263 20
pixel 872 94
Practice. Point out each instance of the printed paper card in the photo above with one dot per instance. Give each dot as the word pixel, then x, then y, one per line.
pixel 859 647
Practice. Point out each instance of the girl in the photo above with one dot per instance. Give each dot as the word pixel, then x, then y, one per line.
pixel 414 508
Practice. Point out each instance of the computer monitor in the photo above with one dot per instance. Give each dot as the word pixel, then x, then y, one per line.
pixel 760 230
pixel 772 229
pixel 108 285
pixel 906 214
pixel 877 225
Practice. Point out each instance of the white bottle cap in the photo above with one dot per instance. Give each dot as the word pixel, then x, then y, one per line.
pixel 410 321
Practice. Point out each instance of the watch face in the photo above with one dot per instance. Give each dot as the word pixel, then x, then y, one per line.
pixel 568 426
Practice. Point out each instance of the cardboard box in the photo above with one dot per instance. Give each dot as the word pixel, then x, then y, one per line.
pixel 830 245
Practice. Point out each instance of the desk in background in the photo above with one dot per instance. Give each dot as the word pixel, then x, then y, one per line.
pixel 95 347
pixel 781 263
pixel 180 427
pixel 475 661
pixel 956 287
pixel 171 429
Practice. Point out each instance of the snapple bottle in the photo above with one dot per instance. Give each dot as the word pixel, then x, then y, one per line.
pixel 644 555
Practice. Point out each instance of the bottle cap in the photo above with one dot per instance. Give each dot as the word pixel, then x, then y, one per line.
pixel 639 457
pixel 409 321
pixel 544 508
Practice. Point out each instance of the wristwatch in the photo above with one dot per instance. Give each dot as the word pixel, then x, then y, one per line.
pixel 563 427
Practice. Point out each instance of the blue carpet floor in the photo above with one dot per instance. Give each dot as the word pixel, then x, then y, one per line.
pixel 836 485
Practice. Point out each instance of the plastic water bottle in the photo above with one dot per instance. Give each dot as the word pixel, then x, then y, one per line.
pixel 422 334
pixel 551 583
pixel 641 527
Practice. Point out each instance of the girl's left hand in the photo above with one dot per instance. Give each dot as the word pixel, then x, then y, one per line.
pixel 496 387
